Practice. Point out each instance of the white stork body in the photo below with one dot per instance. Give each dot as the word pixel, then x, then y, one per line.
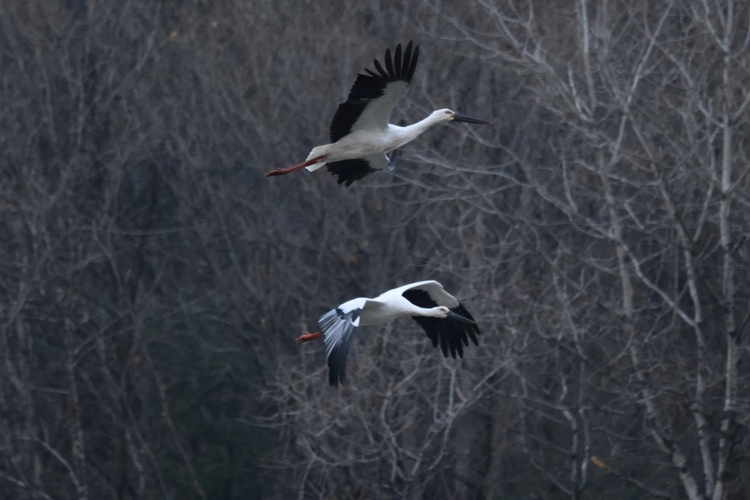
pixel 363 144
pixel 360 133
pixel 445 321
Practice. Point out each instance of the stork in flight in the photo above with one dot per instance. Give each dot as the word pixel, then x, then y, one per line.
pixel 360 133
pixel 441 316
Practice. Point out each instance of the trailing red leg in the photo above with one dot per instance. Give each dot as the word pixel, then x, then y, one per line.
pixel 283 171
pixel 307 336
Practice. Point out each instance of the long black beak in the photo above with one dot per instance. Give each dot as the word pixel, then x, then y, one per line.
pixel 453 315
pixel 467 119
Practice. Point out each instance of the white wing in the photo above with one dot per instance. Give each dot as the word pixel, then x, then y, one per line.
pixel 435 290
pixel 338 326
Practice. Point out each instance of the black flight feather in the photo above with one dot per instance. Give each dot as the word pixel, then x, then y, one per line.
pixel 450 333
pixel 350 170
pixel 371 85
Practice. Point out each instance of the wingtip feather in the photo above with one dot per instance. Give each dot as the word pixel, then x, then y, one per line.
pixel 413 63
pixel 380 69
pixel 397 62
pixel 389 64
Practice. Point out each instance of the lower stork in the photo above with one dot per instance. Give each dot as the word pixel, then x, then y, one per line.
pixel 441 316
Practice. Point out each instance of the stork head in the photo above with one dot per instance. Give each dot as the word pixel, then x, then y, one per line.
pixel 447 115
pixel 440 312
pixel 444 312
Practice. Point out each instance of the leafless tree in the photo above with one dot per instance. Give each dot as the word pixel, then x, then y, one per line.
pixel 153 281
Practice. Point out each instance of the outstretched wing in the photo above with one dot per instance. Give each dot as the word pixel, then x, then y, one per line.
pixel 338 326
pixel 374 94
pixel 452 334
pixel 353 170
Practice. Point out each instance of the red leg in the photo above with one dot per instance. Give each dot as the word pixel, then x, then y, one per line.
pixel 282 171
pixel 307 336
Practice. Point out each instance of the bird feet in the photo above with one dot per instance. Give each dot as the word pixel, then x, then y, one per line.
pixel 307 336
pixel 284 171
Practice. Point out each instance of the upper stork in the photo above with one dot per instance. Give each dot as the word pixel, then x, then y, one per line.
pixel 441 316
pixel 360 133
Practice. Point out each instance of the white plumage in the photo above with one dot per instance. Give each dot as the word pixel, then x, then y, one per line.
pixel 360 133
pixel 445 321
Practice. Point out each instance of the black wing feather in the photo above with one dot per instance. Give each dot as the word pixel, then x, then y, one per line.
pixel 346 115
pixel 411 61
pixel 451 334
pixel 389 64
pixel 383 73
pixel 371 85
pixel 398 56
pixel 350 170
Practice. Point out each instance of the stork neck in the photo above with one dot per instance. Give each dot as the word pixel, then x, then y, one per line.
pixel 414 130
pixel 431 312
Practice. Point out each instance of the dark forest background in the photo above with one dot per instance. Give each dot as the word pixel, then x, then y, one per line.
pixel 152 280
